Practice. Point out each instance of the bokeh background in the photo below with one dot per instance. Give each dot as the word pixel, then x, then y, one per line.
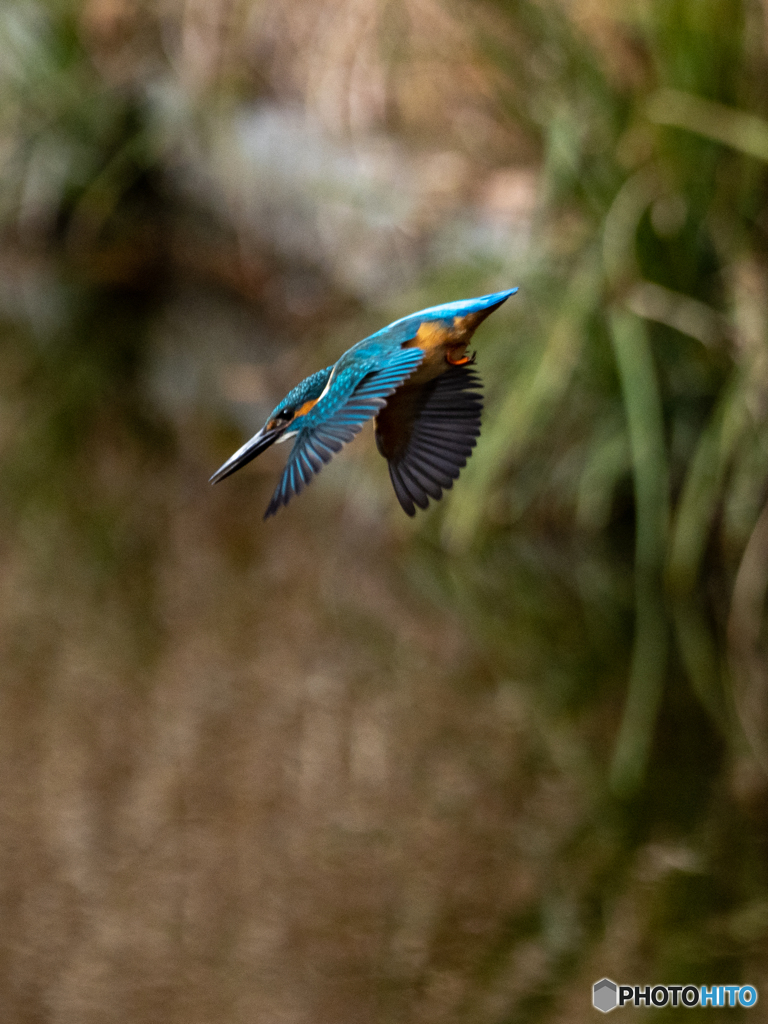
pixel 344 766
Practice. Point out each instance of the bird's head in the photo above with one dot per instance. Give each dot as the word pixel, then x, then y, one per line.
pixel 283 422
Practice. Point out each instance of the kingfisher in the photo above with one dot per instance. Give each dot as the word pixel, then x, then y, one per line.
pixel 415 377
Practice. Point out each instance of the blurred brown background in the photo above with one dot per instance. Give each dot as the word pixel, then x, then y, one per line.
pixel 343 766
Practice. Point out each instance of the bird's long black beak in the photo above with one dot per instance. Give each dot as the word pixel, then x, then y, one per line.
pixel 258 443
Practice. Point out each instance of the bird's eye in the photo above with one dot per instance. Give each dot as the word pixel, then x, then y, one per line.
pixel 281 419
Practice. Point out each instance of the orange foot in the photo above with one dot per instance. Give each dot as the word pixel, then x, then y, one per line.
pixel 462 361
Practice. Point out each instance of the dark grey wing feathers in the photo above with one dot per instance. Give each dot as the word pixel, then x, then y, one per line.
pixel 427 432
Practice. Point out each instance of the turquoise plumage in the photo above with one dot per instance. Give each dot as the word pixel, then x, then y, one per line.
pixel 415 378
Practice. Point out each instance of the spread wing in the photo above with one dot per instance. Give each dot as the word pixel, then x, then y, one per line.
pixel 427 432
pixel 318 441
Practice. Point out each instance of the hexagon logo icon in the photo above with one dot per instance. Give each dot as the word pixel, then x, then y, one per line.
pixel 604 995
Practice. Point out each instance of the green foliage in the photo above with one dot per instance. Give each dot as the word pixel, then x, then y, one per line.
pixel 74 144
pixel 645 358
pixel 651 226
pixel 630 410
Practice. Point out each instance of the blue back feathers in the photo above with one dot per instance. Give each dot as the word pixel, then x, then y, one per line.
pixel 405 329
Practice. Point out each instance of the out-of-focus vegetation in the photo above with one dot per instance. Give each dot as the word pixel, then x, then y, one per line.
pixel 347 767
pixel 642 351
pixel 644 345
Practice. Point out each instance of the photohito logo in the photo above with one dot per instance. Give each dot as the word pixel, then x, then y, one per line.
pixel 607 995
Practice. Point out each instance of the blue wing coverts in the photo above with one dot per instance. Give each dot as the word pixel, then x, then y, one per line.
pixel 324 434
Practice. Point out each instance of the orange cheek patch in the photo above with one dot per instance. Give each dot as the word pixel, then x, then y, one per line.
pixel 303 409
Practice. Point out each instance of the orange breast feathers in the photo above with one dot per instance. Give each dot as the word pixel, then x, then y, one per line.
pixel 444 344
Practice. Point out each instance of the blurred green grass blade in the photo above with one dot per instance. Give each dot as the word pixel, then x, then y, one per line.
pixel 621 223
pixel 738 129
pixel 681 312
pixel 607 463
pixel 747 486
pixel 699 654
pixel 646 682
pixel 642 405
pixel 702 489
pixel 529 402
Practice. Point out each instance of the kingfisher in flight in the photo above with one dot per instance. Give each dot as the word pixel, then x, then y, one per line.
pixel 415 378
